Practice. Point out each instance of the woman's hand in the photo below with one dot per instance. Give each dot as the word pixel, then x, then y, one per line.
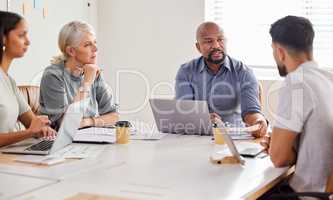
pixel 39 127
pixel 91 71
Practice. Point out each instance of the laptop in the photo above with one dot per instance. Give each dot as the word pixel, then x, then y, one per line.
pixel 69 125
pixel 181 116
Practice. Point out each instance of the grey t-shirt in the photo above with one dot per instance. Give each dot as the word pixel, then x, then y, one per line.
pixel 12 103
pixel 305 107
pixel 58 88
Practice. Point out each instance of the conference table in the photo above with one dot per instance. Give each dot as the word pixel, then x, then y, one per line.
pixel 174 167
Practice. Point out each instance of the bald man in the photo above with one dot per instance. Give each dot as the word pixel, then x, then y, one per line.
pixel 229 87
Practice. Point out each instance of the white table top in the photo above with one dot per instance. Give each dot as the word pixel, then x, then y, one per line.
pixel 12 185
pixel 176 167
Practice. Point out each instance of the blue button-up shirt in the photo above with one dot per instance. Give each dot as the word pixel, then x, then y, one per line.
pixel 232 92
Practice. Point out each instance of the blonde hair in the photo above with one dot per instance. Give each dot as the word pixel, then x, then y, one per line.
pixel 71 35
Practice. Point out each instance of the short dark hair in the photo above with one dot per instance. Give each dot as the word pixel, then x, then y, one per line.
pixel 8 22
pixel 295 33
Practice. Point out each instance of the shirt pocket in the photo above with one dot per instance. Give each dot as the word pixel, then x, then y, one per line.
pixel 223 97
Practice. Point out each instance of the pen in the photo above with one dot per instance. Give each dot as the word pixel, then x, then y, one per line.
pixel 263 156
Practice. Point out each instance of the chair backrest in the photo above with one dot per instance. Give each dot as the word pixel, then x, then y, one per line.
pixel 31 94
pixel 261 90
pixel 329 184
pixel 327 195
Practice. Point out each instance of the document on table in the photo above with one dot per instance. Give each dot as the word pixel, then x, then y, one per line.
pixel 242 133
pixel 145 131
pixel 70 151
pixel 40 160
pixel 245 136
pixel 76 150
pixel 243 129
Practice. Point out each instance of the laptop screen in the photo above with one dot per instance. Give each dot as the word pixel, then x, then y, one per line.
pixel 70 124
pixel 181 116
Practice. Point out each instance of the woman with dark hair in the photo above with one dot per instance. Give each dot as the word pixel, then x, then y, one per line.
pixel 14 43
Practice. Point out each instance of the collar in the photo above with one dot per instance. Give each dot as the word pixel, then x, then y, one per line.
pixel 309 64
pixel 3 73
pixel 72 76
pixel 225 64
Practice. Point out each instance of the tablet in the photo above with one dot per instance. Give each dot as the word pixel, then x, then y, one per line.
pixel 251 152
pixel 232 147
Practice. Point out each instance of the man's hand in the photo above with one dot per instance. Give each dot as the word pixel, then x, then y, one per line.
pixel 214 116
pixel 262 128
pixel 257 118
pixel 265 142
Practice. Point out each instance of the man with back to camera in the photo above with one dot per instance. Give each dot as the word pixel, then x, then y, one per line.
pixel 303 131
pixel 229 87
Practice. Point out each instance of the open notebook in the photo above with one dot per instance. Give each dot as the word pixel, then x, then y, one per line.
pixel 139 131
pixel 95 135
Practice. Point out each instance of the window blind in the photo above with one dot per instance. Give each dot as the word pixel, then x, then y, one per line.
pixel 246 25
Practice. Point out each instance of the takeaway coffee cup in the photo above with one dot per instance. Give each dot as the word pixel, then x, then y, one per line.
pixel 218 138
pixel 123 132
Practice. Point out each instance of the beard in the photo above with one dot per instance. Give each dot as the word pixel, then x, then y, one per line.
pixel 216 61
pixel 282 70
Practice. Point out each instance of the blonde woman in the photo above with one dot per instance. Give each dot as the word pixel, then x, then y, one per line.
pixel 13 44
pixel 75 75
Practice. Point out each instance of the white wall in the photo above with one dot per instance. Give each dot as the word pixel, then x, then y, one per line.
pixel 149 37
pixel 43 33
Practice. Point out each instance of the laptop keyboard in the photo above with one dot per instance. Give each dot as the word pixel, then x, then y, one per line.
pixel 41 146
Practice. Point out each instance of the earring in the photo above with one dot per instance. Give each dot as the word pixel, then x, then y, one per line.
pixel 3 48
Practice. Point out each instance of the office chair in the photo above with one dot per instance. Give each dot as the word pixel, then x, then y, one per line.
pixel 327 195
pixel 261 95
pixel 31 95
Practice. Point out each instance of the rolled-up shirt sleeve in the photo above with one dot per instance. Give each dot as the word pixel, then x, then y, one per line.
pixel 183 86
pixel 104 97
pixel 249 93
pixel 295 104
pixel 53 99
